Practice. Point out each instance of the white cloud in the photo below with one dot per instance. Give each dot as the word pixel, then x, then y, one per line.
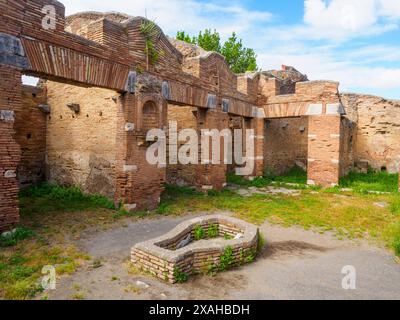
pixel 390 8
pixel 173 15
pixel 321 63
pixel 343 19
pixel 329 24
pixel 341 14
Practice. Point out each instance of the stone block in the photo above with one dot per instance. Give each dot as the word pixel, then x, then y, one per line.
pixel 10 174
pixel 314 109
pixel 7 115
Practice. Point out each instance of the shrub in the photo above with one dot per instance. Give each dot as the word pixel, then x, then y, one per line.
pixel 226 259
pixel 228 237
pixel 212 231
pixel 12 238
pixel 199 233
pixel 179 275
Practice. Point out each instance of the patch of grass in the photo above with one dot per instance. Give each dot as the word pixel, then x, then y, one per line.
pixel 371 181
pixel 258 182
pixel 294 175
pixel 52 198
pixel 352 215
pixel 296 178
pixel 13 237
pixel 21 267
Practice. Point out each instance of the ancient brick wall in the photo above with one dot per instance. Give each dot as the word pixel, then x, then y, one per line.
pixel 10 153
pixel 209 175
pixel 323 167
pixel 179 174
pixel 286 144
pixel 30 124
pixel 348 138
pixel 81 146
pixel 378 130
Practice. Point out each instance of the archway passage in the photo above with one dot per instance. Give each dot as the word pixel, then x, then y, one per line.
pixel 286 146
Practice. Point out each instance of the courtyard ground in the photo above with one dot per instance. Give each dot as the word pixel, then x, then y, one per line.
pixel 310 234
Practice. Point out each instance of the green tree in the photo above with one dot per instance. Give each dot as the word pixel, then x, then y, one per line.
pixel 183 36
pixel 239 58
pixel 209 41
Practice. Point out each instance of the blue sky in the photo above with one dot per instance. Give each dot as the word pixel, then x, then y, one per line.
pixel 355 42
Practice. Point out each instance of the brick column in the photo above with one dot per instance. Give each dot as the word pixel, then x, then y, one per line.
pixel 212 176
pixel 10 151
pixel 324 150
pixel 139 184
pixel 259 134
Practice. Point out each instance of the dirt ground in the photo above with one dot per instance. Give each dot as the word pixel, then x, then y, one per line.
pixel 295 264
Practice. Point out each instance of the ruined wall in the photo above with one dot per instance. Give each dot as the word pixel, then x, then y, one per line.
pixel 10 153
pixel 81 147
pixel 324 141
pixel 378 131
pixel 286 144
pixel 348 134
pixel 179 174
pixel 30 124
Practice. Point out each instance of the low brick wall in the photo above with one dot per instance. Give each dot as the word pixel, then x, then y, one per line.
pixel 161 258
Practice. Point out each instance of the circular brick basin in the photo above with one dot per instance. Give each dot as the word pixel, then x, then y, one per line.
pixel 179 253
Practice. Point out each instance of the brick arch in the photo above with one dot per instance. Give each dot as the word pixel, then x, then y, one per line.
pixel 150 116
pixel 151 112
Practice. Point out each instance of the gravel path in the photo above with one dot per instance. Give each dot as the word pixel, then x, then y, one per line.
pixel 295 264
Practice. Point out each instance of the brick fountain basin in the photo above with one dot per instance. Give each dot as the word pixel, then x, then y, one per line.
pixel 176 251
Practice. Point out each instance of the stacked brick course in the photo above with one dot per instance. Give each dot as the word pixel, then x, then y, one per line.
pixel 30 127
pixel 107 50
pixel 10 152
pixel 161 258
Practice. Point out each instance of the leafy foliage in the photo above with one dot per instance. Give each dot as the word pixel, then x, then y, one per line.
pixel 209 41
pixel 199 233
pixel 12 238
pixel 180 276
pixel 183 36
pixel 212 231
pixel 371 181
pixel 226 259
pixel 151 33
pixel 239 58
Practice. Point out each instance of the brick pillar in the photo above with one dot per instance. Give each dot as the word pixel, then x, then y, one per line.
pixel 139 184
pixel 212 176
pixel 10 151
pixel 324 150
pixel 259 134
